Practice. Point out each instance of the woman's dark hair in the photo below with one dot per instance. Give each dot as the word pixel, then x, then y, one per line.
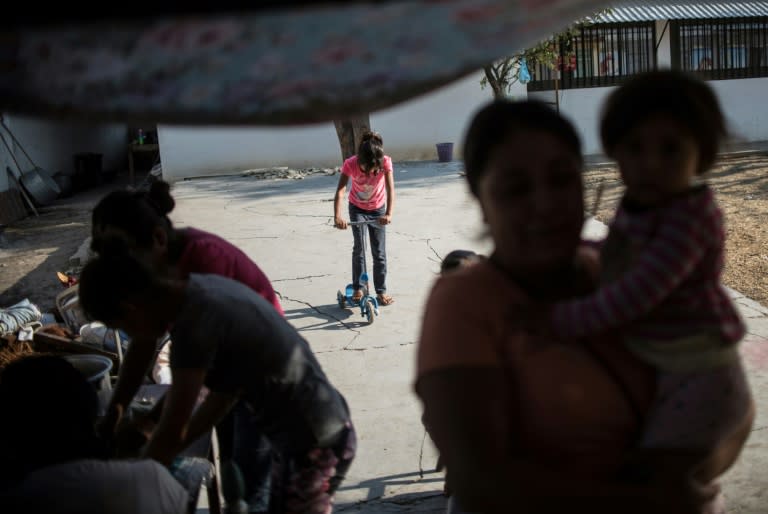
pixel 672 94
pixel 370 153
pixel 110 279
pixel 137 213
pixel 49 413
pixel 454 259
pixel 493 123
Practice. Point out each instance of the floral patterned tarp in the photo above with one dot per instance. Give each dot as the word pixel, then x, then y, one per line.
pixel 273 67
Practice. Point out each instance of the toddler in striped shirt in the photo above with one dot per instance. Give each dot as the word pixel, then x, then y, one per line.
pixel 663 258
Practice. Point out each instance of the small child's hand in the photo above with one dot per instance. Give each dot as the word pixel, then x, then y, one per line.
pixel 588 258
pixel 385 220
pixel 340 223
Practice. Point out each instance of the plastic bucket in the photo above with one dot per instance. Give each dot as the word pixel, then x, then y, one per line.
pixel 95 369
pixel 444 152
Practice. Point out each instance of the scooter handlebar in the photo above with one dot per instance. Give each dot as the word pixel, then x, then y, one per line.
pixel 367 222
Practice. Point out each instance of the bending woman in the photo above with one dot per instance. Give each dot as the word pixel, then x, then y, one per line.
pixel 139 220
pixel 232 341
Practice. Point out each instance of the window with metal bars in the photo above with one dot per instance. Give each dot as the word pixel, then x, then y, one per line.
pixel 600 55
pixel 715 49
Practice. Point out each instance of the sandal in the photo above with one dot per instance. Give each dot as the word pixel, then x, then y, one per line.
pixel 358 295
pixel 385 299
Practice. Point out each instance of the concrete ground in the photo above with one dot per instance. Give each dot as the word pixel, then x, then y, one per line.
pixel 286 227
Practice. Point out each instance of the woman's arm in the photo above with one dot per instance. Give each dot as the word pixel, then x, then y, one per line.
pixel 134 367
pixel 213 409
pixel 467 425
pixel 465 391
pixel 471 422
pixel 469 428
pixel 338 220
pixel 670 257
pixel 168 438
pixel 389 185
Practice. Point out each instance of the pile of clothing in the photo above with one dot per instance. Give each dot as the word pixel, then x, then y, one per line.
pixel 17 327
pixel 22 318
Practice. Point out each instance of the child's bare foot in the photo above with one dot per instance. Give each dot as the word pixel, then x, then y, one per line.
pixel 385 299
pixel 358 295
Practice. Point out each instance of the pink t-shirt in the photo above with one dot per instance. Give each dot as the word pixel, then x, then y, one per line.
pixel 367 192
pixel 208 253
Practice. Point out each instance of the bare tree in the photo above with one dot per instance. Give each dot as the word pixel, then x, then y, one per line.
pixel 350 132
pixel 555 52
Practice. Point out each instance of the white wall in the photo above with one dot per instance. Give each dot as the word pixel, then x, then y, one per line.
pixel 190 152
pixel 745 104
pixel 663 43
pixel 582 107
pixel 410 131
pixel 52 144
pixel 743 101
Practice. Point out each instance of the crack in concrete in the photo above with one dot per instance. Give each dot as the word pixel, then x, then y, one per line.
pixel 409 236
pixel 300 278
pixel 347 347
pixel 253 237
pixel 322 313
pixel 429 244
pixel 421 455
pixel 285 214
pixel 426 240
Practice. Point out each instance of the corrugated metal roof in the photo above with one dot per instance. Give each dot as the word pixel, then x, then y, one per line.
pixel 676 10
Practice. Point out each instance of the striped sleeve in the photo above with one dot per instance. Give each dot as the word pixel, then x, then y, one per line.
pixel 669 258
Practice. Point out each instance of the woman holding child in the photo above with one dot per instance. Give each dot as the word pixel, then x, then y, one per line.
pixel 527 420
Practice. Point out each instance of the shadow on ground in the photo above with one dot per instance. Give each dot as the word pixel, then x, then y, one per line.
pixel 335 318
pixel 33 249
pixel 376 488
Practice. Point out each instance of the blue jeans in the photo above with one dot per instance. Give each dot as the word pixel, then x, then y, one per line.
pixel 377 237
pixel 242 440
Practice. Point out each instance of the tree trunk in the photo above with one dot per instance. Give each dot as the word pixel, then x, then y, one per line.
pixel 350 132
pixel 496 86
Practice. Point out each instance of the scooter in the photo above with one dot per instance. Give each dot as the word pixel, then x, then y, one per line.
pixel 369 305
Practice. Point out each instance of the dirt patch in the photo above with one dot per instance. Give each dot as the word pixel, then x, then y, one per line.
pixel 34 249
pixel 741 187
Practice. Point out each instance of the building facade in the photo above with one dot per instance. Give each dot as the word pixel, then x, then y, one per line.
pixel 725 43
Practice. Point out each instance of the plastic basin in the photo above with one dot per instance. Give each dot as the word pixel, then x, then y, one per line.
pixel 96 369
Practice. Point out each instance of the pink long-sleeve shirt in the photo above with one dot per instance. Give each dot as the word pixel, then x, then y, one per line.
pixel 671 287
